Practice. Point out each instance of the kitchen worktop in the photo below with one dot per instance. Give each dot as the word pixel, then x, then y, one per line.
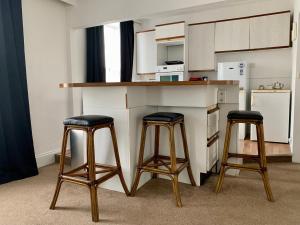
pixel 271 91
pixel 152 83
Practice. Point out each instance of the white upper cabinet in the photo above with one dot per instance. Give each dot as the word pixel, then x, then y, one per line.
pixel 146 52
pixel 201 47
pixel 232 35
pixel 169 31
pixel 270 31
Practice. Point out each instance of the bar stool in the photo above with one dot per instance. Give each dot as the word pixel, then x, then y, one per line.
pixel 86 173
pixel 168 120
pixel 249 117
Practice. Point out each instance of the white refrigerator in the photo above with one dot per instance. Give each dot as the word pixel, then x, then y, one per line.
pixel 274 105
pixel 237 71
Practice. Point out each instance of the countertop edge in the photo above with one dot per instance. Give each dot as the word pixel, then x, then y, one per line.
pixel 135 84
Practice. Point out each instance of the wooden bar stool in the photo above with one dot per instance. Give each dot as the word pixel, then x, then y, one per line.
pixel 86 173
pixel 168 120
pixel 249 117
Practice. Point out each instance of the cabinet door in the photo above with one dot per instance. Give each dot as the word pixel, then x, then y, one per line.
pixel 201 47
pixel 275 108
pixel 169 31
pixel 270 31
pixel 212 155
pixel 146 52
pixel 232 35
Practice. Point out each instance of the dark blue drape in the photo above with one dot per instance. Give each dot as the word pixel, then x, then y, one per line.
pixel 17 158
pixel 127 47
pixel 95 54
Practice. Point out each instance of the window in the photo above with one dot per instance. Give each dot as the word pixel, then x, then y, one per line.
pixel 112 52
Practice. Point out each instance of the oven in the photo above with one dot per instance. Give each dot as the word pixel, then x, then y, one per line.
pixel 169 76
pixel 170 73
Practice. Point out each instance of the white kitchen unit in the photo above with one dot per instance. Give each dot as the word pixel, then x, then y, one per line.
pixel 270 31
pixel 146 52
pixel 201 46
pixel 274 106
pixel 175 30
pixel 232 35
pixel 129 103
pixel 212 137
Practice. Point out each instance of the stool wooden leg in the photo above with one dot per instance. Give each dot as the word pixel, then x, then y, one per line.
pixel 174 166
pixel 61 167
pixel 176 190
pixel 263 160
pixel 141 160
pixel 225 156
pixel 186 153
pixel 156 149
pixel 116 151
pixel 92 176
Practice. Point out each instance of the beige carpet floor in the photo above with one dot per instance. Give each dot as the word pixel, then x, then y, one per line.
pixel 242 202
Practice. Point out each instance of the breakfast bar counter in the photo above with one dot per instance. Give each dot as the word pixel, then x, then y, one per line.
pixel 204 104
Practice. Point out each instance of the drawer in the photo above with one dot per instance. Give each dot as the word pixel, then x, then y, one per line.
pixel 212 153
pixel 212 122
pixel 169 31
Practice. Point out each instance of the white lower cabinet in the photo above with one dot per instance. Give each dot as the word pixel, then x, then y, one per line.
pixel 212 123
pixel 212 154
pixel 212 137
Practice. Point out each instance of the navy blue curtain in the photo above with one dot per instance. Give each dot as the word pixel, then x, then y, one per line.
pixel 127 47
pixel 95 54
pixel 17 158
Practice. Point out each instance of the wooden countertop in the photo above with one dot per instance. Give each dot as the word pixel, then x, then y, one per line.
pixel 177 83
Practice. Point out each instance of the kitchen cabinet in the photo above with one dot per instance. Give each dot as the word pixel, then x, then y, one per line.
pixel 212 123
pixel 212 154
pixel 169 31
pixel 232 35
pixel 201 55
pixel 146 52
pixel 212 137
pixel 274 105
pixel 270 31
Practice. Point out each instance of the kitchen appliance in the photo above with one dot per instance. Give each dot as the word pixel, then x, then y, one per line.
pixel 170 73
pixel 278 85
pixel 238 71
pixel 234 71
pixel 274 106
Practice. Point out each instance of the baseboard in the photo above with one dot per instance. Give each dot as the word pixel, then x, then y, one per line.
pixel 46 158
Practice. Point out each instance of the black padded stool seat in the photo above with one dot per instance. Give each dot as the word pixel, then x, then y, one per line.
pixel 244 115
pixel 164 117
pixel 88 120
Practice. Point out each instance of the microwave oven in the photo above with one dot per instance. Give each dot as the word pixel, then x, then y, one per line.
pixel 169 76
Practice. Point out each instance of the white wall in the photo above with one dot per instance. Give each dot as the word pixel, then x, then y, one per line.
pixel 46 44
pixel 295 120
pixel 78 65
pixel 88 13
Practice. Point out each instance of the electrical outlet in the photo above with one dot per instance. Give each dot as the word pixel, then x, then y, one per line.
pixel 221 96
